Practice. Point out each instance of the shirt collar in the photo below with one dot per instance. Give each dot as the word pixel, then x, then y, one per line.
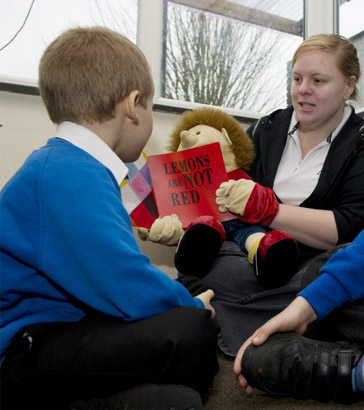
pixel 347 113
pixel 85 139
pixel 293 126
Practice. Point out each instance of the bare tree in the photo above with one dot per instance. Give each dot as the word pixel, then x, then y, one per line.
pixel 220 61
pixel 120 16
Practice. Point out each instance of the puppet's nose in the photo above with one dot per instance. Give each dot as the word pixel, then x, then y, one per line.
pixel 188 139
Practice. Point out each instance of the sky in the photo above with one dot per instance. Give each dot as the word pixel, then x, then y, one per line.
pixel 47 19
pixel 351 17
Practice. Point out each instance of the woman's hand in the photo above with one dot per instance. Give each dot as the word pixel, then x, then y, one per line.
pixel 296 317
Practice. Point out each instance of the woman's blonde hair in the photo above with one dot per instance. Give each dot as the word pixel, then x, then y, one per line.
pixel 85 72
pixel 346 54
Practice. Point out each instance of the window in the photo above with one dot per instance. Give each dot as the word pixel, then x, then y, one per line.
pixel 230 53
pixel 234 54
pixel 351 25
pixel 28 26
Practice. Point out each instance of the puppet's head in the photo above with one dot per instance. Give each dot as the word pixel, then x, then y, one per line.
pixel 207 125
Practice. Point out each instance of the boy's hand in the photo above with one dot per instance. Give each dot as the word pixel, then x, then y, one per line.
pixel 294 318
pixel 206 299
pixel 166 231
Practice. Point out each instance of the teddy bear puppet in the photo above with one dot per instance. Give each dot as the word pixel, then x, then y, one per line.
pixel 273 253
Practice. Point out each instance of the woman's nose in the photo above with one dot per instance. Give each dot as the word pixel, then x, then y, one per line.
pixel 304 87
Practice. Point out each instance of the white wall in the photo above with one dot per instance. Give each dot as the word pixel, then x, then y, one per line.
pixel 26 126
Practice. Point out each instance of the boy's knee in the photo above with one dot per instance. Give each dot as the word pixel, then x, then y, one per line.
pixel 195 345
pixel 198 319
pixel 196 329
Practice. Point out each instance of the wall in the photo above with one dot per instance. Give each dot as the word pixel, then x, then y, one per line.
pixel 26 126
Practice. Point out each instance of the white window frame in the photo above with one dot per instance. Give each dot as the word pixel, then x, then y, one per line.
pixel 320 16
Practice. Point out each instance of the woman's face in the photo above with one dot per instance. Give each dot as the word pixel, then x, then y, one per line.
pixel 319 90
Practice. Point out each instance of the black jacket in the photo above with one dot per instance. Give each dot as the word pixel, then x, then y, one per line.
pixel 340 187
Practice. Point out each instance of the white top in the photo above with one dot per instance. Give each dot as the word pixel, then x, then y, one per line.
pixel 296 178
pixel 85 139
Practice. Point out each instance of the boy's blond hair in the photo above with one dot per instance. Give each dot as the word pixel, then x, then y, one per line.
pixel 85 72
pixel 346 54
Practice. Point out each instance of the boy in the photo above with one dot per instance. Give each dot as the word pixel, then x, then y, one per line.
pixel 84 315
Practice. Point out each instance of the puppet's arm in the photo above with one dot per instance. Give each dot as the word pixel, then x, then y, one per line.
pixel 166 231
pixel 253 203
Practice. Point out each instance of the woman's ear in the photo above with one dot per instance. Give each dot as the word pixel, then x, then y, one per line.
pixel 129 105
pixel 350 87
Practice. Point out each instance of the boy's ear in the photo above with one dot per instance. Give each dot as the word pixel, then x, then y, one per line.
pixel 130 106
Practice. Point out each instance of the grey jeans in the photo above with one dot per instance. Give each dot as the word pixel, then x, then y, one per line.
pixel 242 304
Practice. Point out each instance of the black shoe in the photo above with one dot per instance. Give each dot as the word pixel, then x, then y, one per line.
pixel 288 364
pixel 147 397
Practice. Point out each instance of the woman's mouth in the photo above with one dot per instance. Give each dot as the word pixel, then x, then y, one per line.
pixel 306 106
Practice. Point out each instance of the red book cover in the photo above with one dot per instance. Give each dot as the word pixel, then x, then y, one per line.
pixel 185 182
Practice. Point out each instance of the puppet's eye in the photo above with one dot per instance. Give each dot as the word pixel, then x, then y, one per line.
pixel 198 132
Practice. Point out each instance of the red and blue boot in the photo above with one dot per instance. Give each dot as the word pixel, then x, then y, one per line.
pixel 274 258
pixel 199 246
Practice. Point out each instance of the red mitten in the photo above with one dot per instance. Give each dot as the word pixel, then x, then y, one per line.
pixel 252 202
pixel 262 206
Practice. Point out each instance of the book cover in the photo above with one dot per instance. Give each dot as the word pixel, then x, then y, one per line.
pixel 137 194
pixel 185 182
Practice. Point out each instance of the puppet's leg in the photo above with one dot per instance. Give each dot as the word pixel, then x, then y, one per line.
pixel 199 246
pixel 274 256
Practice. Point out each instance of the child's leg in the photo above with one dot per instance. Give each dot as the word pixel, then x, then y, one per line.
pixel 147 396
pixel 102 355
pixel 248 236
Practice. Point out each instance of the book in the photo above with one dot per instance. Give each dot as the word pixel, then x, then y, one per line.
pixel 185 182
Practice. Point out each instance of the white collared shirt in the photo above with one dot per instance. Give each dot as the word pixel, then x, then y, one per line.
pixel 296 178
pixel 85 139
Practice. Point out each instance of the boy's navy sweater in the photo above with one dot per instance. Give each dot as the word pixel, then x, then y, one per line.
pixel 67 247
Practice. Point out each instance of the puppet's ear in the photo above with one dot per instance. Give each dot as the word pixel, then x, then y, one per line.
pixel 226 136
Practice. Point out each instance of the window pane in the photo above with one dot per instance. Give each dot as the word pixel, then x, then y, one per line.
pixel 28 26
pixel 231 54
pixel 352 26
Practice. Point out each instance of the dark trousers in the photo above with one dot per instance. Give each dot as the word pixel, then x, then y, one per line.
pixel 102 355
pixel 242 305
pixel 343 323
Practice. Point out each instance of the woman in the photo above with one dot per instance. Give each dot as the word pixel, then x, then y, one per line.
pixel 312 156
